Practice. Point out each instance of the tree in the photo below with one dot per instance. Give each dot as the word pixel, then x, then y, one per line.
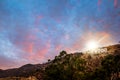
pixel 109 70
pixel 62 53
pixel 112 66
pixel 48 60
pixel 66 67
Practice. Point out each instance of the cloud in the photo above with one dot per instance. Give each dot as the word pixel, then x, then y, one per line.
pixel 9 54
pixel 34 31
pixel 115 3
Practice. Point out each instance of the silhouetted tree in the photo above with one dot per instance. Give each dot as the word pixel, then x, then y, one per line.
pixel 48 60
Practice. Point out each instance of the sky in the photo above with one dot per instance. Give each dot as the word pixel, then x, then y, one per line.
pixel 33 31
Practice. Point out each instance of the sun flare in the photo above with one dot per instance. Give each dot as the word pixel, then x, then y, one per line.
pixel 91 45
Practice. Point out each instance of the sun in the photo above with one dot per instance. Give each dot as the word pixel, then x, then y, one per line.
pixel 92 44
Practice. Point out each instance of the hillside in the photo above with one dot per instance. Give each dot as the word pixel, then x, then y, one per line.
pixel 101 64
pixel 23 71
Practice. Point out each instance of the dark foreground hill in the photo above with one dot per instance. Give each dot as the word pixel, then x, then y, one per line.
pixel 100 64
pixel 23 71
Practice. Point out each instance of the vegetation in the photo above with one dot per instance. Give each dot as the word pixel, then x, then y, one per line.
pixel 73 67
pixel 109 70
pixel 65 67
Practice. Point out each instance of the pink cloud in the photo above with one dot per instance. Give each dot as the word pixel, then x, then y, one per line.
pixel 99 2
pixel 29 47
pixel 39 54
pixel 58 47
pixel 115 3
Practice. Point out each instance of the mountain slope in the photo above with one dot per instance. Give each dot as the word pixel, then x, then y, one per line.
pixel 103 62
pixel 25 70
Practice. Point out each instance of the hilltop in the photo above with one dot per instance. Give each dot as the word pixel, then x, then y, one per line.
pixel 100 64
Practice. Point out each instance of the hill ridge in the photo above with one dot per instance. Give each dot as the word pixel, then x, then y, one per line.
pixel 93 61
